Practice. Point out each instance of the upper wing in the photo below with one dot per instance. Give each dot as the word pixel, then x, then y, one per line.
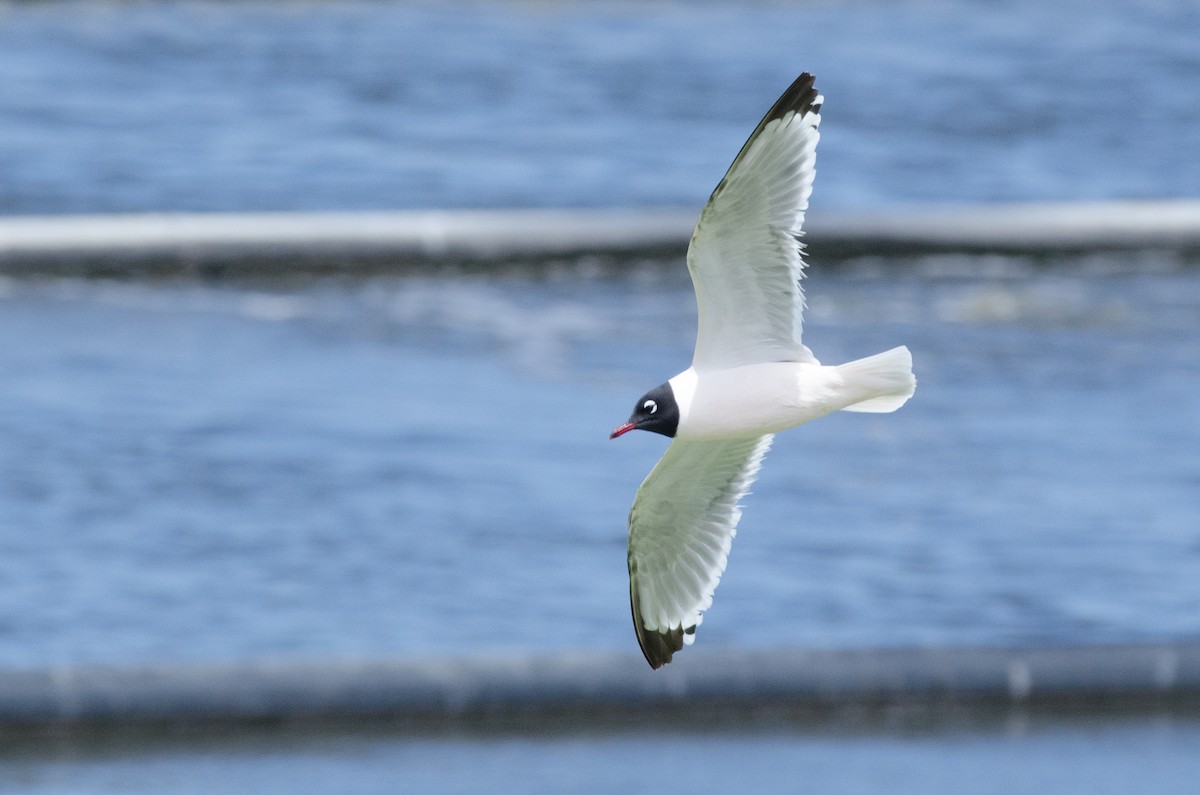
pixel 744 255
pixel 683 520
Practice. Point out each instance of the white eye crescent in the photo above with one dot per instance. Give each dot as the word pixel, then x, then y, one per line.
pixel 650 406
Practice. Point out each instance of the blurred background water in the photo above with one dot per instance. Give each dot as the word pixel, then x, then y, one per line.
pixel 416 464
pixel 348 467
pixel 1105 758
pixel 124 106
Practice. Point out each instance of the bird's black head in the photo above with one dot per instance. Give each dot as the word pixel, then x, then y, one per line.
pixel 655 411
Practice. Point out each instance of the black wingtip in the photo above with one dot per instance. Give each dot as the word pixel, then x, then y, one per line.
pixel 800 97
pixel 657 647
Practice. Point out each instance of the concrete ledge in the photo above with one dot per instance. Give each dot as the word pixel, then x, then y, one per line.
pixel 582 689
pixel 216 244
pixel 287 242
pixel 1022 228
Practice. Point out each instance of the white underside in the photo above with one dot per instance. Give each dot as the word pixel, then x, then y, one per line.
pixel 758 399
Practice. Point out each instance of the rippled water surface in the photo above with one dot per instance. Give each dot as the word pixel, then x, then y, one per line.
pixel 196 471
pixel 136 106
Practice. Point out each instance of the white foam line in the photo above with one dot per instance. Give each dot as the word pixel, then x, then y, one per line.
pixel 26 242
pixel 35 244
pixel 1167 224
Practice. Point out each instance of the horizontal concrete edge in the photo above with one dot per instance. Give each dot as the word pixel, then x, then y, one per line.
pixel 583 684
pixel 327 241
pixel 297 241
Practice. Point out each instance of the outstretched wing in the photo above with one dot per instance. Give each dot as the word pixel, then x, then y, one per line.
pixel 682 523
pixel 744 255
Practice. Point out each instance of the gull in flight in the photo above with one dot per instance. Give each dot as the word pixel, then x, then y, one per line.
pixel 750 377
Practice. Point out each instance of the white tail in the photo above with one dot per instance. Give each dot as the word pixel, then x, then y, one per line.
pixel 887 379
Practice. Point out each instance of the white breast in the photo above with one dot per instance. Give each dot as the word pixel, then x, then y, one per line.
pixel 754 399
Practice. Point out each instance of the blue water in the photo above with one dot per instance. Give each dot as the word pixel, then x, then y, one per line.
pixel 402 465
pixel 1110 758
pixel 371 467
pixel 135 106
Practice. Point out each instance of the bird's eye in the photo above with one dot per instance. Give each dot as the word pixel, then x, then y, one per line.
pixel 650 406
